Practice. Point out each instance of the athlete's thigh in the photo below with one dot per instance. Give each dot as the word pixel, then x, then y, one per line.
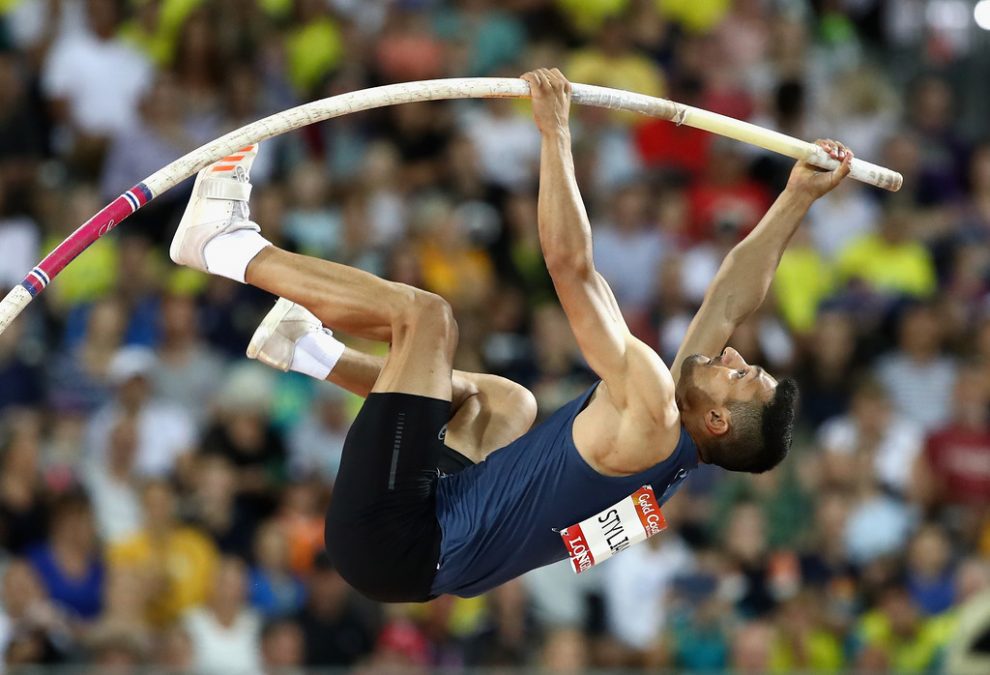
pixel 500 412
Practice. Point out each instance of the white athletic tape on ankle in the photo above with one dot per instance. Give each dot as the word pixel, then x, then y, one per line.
pixel 224 188
pixel 316 354
pixel 229 254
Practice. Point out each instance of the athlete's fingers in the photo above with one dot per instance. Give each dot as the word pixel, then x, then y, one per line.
pixel 843 169
pixel 564 83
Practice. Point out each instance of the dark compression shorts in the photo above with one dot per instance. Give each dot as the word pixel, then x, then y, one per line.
pixel 382 532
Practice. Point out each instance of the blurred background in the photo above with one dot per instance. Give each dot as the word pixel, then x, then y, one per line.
pixel 162 498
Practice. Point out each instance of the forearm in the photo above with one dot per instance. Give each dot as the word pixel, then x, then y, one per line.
pixel 747 272
pixel 565 234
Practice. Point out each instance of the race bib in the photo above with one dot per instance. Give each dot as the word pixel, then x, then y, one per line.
pixel 636 518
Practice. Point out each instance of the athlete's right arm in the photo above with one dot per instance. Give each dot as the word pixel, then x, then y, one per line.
pixel 565 237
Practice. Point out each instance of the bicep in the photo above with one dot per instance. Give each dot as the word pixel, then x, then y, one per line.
pixel 596 320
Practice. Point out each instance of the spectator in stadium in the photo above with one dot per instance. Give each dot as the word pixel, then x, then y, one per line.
pixel 315 443
pixel 23 503
pixel 827 371
pixel 282 647
pixel 337 628
pixel 189 371
pixel 954 469
pixel 33 630
pixel 225 632
pixel 274 591
pixel 242 432
pixel 889 263
pixel 70 564
pixel 86 104
pixel 165 433
pixel 114 487
pixel 894 636
pixel 873 435
pixel 930 577
pixel 629 248
pixel 919 376
pixel 175 562
pixel 79 378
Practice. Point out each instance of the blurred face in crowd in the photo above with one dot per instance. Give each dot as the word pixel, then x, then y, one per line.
pixel 102 17
pixel 283 645
pixel 871 409
pixel 751 647
pixel 106 324
pixel 327 591
pixel 270 547
pixel 20 589
pixel 134 392
pixel 746 533
pixel 929 552
pixel 178 317
pixel 933 104
pixel 629 209
pixel 72 525
pixel 230 583
pixel 901 611
pixel 920 334
pixel 972 399
pixel 979 170
pixel 159 505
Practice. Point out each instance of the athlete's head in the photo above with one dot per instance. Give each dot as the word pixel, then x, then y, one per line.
pixel 740 417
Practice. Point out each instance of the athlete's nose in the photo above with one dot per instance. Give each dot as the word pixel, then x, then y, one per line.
pixel 732 358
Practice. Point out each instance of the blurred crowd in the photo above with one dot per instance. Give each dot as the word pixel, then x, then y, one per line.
pixel 162 498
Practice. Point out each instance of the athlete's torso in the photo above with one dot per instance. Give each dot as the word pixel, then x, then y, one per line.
pixel 502 517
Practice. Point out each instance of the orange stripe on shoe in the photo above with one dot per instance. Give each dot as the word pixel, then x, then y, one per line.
pixel 246 148
pixel 224 167
pixel 232 158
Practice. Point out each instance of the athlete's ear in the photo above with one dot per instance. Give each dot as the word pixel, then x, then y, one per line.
pixel 717 421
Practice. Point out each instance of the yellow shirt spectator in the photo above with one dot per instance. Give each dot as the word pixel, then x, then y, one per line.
pixel 892 264
pixel 314 50
pixel 917 653
pixel 157 36
pixel 90 276
pixel 697 16
pixel 804 278
pixel 587 16
pixel 177 569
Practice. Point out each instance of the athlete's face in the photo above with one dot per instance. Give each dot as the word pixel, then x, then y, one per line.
pixel 722 380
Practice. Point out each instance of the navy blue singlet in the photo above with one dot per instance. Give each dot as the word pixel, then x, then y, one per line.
pixel 502 517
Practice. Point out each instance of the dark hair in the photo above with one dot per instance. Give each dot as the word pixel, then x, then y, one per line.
pixel 760 435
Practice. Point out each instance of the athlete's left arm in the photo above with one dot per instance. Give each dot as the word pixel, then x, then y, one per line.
pixel 746 273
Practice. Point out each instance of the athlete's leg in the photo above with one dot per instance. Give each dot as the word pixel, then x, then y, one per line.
pixel 420 324
pixel 487 411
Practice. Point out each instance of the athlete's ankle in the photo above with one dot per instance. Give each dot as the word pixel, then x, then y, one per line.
pixel 316 354
pixel 230 255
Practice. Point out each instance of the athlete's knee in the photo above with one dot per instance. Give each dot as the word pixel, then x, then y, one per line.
pixel 504 394
pixel 523 402
pixel 423 311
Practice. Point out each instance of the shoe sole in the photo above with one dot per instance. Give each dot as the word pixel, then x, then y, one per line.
pixel 268 326
pixel 187 220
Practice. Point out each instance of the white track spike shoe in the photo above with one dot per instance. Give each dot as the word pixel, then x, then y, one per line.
pixel 219 205
pixel 274 342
